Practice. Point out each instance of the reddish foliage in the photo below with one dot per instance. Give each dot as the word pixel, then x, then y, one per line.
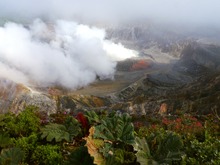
pixel 166 121
pixel 198 124
pixel 178 120
pixel 154 126
pixel 83 120
pixel 185 124
pixel 59 117
pixel 44 118
pixel 138 124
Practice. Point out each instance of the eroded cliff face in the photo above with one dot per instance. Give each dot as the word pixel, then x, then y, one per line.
pixel 8 91
pixel 15 97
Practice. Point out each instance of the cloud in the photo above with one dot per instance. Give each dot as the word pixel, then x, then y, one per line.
pixel 65 53
pixel 199 12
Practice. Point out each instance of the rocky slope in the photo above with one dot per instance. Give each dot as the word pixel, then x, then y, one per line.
pixel 150 37
pixel 173 73
pixel 191 84
pixel 14 97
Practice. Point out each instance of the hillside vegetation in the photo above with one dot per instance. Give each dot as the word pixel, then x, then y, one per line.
pixel 32 137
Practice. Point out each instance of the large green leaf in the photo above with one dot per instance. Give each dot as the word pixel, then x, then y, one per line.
pixel 143 152
pixel 12 156
pixel 72 126
pixel 167 149
pixel 92 117
pixel 55 131
pixel 170 149
pixel 116 128
pixel 93 146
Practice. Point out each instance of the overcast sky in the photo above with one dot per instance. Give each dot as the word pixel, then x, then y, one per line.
pixel 199 12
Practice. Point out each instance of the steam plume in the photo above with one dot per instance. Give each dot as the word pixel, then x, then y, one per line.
pixel 65 53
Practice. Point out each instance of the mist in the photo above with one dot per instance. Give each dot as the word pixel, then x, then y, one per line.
pixel 47 42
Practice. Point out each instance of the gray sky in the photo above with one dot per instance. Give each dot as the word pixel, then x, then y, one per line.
pixel 200 12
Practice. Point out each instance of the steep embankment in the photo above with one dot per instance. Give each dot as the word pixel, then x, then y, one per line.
pixel 14 97
pixel 191 84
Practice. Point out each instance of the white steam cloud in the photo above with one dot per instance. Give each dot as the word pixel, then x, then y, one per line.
pixel 65 53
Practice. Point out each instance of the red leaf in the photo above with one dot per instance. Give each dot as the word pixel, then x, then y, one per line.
pixel 83 120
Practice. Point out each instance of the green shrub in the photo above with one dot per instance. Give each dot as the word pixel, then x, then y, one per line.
pixel 27 144
pixel 5 140
pixel 47 155
pixel 80 157
pixel 207 152
pixel 111 140
pixel 11 156
pixel 25 123
pixel 122 156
